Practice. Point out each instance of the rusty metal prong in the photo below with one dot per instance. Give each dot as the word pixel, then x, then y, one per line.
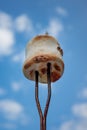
pixel 36 95
pixel 49 89
pixel 43 117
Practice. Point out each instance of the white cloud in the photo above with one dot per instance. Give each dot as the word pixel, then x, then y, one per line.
pixel 55 27
pixel 2 91
pixel 61 11
pixel 8 125
pixel 79 122
pixel 23 24
pixel 83 93
pixel 7 38
pixel 66 125
pixel 11 109
pixel 5 20
pixel 13 114
pixel 6 41
pixel 80 110
pixel 74 125
pixel 16 86
pixel 19 57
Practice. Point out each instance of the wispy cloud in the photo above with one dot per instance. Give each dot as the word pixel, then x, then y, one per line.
pixel 24 24
pixel 11 109
pixel 2 91
pixel 80 110
pixel 16 86
pixel 61 11
pixel 8 125
pixel 74 125
pixel 7 38
pixel 8 28
pixel 5 21
pixel 83 93
pixel 55 27
pixel 13 112
pixel 66 125
pixel 19 57
pixel 6 41
pixel 79 121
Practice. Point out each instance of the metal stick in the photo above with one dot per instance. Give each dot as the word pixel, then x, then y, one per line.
pixel 37 100
pixel 49 94
pixel 43 117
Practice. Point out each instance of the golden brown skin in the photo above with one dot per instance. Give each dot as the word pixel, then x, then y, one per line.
pixel 41 61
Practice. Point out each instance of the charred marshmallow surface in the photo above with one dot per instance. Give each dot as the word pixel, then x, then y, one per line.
pixel 40 51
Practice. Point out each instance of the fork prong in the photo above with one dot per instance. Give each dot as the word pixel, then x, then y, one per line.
pixel 43 117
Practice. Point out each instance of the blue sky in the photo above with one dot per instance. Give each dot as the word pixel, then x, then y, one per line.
pixel 20 21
